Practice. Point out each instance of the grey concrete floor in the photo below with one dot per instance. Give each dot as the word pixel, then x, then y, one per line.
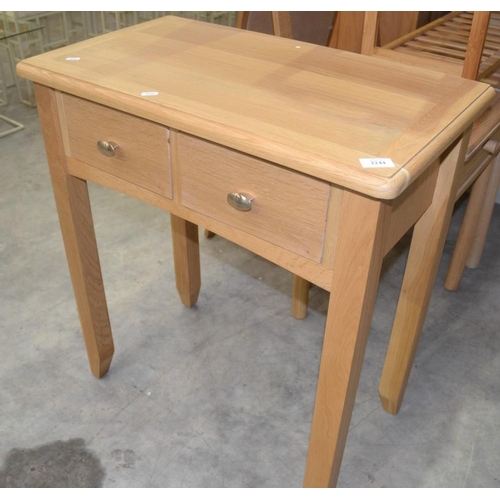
pixel 221 394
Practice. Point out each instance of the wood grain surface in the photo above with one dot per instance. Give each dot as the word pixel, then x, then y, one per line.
pixel 310 108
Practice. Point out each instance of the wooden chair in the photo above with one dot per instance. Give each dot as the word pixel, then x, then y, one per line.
pixel 463 43
pixel 444 45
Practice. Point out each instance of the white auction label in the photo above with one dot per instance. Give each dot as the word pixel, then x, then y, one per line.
pixel 149 93
pixel 72 59
pixel 376 163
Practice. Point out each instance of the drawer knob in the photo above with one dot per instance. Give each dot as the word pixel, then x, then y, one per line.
pixel 107 148
pixel 240 201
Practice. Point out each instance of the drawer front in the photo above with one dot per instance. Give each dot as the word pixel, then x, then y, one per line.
pixel 142 156
pixel 288 209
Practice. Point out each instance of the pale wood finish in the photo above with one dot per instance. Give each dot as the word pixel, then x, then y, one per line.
pixel 301 287
pixel 484 128
pixel 306 268
pixel 347 32
pixel 472 170
pixel 423 261
pixel 302 108
pixel 423 29
pixel 288 209
pixel 75 218
pixel 142 156
pixel 332 225
pixel 395 24
pixel 282 24
pixel 492 147
pixel 405 211
pixel 370 27
pixel 475 45
pixel 186 259
pixel 300 297
pixel 484 218
pixel 356 269
pixel 346 36
pixel 344 30
pixel 242 19
pixel 435 64
pixel 308 26
pixel 466 38
pixel 308 109
pixel 185 243
pixel 474 228
pixel 467 230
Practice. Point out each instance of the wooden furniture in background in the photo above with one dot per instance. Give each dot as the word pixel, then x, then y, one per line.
pixel 298 114
pixel 347 29
pixel 338 29
pixel 312 27
pixel 442 45
pixel 453 44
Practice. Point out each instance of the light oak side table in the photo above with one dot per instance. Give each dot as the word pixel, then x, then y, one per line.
pixel 259 139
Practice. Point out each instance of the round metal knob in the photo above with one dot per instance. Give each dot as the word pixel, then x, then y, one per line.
pixel 107 148
pixel 240 201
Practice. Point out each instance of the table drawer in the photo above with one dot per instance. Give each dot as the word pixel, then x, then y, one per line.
pixel 288 209
pixel 142 156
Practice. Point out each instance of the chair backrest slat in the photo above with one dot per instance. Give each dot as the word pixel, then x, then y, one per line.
pixel 475 45
pixel 474 28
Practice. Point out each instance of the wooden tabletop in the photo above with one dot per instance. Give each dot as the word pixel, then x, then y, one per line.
pixel 314 109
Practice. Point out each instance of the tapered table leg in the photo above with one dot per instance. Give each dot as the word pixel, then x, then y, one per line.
pixel 186 259
pixel 356 272
pixel 425 254
pixel 75 217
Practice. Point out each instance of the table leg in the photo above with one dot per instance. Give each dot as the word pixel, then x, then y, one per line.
pixel 75 217
pixel 420 275
pixel 186 259
pixel 356 271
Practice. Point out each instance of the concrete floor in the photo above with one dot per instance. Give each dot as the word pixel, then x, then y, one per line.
pixel 222 394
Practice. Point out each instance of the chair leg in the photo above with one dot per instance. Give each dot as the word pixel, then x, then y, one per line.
pixel 300 297
pixel 467 230
pixel 483 222
pixel 186 252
